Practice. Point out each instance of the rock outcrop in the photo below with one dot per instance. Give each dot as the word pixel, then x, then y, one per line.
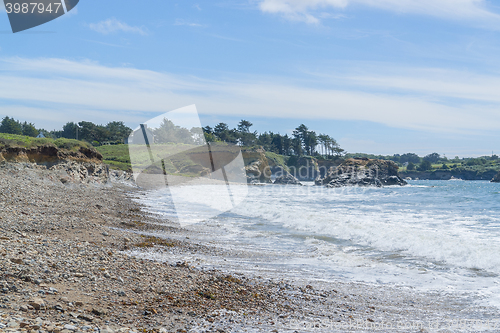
pixel 287 179
pixel 82 172
pixel 496 179
pixel 257 166
pixel 363 172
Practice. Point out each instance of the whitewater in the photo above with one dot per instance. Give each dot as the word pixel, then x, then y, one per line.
pixel 438 236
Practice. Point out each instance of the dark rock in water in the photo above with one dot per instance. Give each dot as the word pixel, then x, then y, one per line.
pixel 363 172
pixel 496 179
pixel 287 179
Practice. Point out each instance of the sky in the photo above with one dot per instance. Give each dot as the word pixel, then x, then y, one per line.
pixel 380 76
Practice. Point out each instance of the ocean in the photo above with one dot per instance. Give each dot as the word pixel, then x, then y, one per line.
pixel 438 236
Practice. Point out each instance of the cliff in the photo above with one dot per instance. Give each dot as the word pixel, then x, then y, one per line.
pixel 48 155
pixel 79 164
pixel 362 172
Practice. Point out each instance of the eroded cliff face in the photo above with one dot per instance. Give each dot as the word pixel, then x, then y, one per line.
pixel 82 166
pixel 48 155
pixel 362 172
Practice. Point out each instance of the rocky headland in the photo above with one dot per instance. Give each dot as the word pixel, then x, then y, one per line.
pixel 362 172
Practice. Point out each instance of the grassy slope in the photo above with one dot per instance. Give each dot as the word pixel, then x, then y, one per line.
pixel 279 160
pixel 118 156
pixel 13 140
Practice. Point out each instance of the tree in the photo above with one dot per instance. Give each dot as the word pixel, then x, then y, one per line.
pixel 69 130
pixel 169 132
pixel 409 157
pixel 10 126
pixel 287 145
pixel 223 132
pixel 209 134
pixel 244 126
pixel 118 131
pixel 297 146
pixel 245 137
pixel 29 129
pixel 310 142
pixel 425 165
pixel 411 166
pixel 433 158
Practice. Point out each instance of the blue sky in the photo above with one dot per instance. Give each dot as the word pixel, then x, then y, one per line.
pixel 380 76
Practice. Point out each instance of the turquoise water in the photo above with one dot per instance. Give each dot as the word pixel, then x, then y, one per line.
pixel 432 235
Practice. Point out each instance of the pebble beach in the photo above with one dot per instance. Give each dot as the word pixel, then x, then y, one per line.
pixel 67 265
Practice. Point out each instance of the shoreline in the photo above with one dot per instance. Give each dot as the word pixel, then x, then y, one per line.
pixel 64 250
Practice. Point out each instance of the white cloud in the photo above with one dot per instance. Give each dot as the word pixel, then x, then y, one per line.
pixel 112 25
pixel 186 23
pixel 306 10
pixel 64 90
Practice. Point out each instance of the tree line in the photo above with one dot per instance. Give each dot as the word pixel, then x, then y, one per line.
pixel 414 162
pixel 302 141
pixel 113 132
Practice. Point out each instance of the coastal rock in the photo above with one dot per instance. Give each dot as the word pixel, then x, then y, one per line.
pixel 287 179
pixel 496 179
pixel 37 303
pixel 363 172
pixel 257 167
pixel 86 172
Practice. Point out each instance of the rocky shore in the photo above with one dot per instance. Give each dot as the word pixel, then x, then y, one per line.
pixel 362 172
pixel 66 266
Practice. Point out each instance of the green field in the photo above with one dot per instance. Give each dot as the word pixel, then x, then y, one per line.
pixel 12 140
pixel 179 159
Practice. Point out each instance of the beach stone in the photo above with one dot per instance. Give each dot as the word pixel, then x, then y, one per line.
pixel 37 303
pixel 70 327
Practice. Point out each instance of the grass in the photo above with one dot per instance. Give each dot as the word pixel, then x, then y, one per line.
pixel 12 140
pixel 279 160
pixel 117 156
pixel 180 159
